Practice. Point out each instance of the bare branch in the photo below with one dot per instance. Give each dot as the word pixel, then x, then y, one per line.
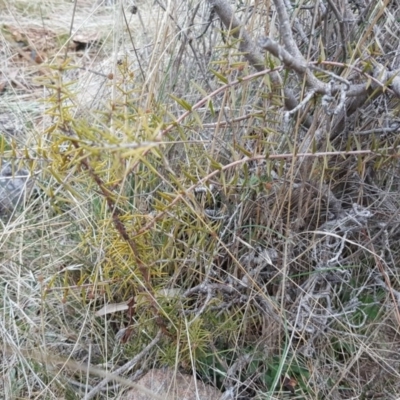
pixel 228 18
pixel 301 67
pixel 388 78
pixel 298 64
pixel 286 30
pixel 247 46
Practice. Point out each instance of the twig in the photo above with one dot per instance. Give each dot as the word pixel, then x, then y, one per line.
pixel 341 28
pixel 121 229
pixel 201 103
pixel 247 46
pixel 232 121
pixel 286 30
pixel 244 160
pixel 124 368
pixel 49 359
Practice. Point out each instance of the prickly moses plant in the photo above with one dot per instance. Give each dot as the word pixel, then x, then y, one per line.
pixel 216 192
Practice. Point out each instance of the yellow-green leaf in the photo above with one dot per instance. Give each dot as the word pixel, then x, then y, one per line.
pixel 222 78
pixel 182 102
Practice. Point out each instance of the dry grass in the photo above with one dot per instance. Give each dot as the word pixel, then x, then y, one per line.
pixel 173 222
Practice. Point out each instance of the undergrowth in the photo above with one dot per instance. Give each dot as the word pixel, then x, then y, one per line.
pixel 181 219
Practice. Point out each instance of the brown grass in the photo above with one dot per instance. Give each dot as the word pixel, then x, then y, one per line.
pixel 179 220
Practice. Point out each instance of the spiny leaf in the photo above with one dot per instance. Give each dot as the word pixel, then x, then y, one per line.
pixel 221 77
pixel 181 102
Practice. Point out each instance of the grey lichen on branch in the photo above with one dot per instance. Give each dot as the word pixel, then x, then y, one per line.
pixel 225 12
pixel 351 98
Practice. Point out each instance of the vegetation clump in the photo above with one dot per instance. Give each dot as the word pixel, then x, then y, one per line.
pixel 210 188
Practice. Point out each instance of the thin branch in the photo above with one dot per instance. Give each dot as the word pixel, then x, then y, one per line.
pixel 247 46
pixel 121 229
pixel 245 160
pixel 301 67
pixel 124 368
pixel 286 30
pixel 297 64
pixel 341 28
pixel 49 359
